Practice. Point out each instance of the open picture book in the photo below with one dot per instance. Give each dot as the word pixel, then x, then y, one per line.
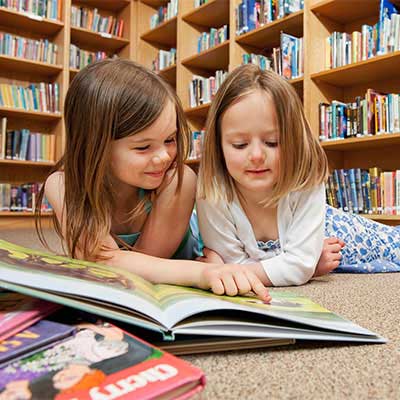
pixel 172 311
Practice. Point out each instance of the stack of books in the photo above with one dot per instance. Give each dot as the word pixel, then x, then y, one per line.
pixel 88 348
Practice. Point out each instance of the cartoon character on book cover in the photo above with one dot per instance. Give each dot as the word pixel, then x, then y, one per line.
pixel 85 361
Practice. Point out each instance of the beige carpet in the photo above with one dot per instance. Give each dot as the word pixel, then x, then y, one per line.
pixel 310 370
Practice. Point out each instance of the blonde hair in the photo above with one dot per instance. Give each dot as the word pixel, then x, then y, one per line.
pixel 106 101
pixel 303 163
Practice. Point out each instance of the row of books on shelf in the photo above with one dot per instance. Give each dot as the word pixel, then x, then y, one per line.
pixel 343 48
pixel 375 113
pixel 21 198
pixel 164 13
pixel 363 191
pixel 36 97
pixel 51 9
pixel 25 145
pixel 251 14
pixel 90 18
pixel 36 50
pixel 213 38
pixel 79 58
pixel 287 60
pixel 164 59
pixel 196 144
pixel 202 90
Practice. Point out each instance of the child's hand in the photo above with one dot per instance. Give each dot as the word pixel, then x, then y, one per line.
pixel 330 256
pixel 231 279
pixel 210 257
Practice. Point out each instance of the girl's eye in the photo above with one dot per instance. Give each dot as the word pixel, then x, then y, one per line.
pixel 239 145
pixel 143 148
pixel 272 144
pixel 170 140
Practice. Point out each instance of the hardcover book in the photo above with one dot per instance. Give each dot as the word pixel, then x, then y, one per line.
pixel 100 362
pixel 172 311
pixel 38 336
pixel 18 311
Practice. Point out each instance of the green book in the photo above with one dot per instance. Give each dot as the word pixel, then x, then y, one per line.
pixel 174 312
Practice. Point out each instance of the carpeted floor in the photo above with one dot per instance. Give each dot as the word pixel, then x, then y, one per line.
pixel 309 370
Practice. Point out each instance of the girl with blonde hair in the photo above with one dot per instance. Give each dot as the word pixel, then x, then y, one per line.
pixel 261 195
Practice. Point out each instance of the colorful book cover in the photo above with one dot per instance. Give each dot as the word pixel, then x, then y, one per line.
pixel 18 312
pixel 100 362
pixel 38 336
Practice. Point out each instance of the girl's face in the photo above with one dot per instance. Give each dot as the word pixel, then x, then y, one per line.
pixel 250 143
pixel 141 160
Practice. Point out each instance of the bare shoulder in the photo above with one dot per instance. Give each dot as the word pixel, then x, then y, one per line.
pixel 189 180
pixel 54 189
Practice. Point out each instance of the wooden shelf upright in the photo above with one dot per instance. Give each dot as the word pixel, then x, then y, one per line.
pixel 161 37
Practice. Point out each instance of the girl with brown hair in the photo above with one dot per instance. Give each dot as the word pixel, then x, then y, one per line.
pixel 261 195
pixel 121 193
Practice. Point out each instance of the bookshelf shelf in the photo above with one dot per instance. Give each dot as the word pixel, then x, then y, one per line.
pixel 346 11
pixel 102 41
pixel 28 163
pixel 114 5
pixel 155 3
pixel 73 72
pixel 164 34
pixel 22 214
pixel 169 74
pixel 377 68
pixel 268 36
pixel 198 112
pixel 30 23
pixel 214 13
pixel 387 139
pixel 38 68
pixel 216 57
pixel 386 219
pixel 35 115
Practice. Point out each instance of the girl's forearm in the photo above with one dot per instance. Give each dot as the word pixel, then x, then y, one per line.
pixel 158 270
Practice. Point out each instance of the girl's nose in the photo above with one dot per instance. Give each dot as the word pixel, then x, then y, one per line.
pixel 257 153
pixel 161 157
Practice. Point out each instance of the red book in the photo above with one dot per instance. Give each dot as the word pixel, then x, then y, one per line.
pixel 101 362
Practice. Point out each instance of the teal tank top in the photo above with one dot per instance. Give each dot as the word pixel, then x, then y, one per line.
pixel 191 245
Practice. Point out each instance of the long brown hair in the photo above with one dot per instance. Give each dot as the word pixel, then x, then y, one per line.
pixel 106 101
pixel 303 163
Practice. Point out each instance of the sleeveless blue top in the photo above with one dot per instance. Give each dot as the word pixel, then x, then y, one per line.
pixel 191 245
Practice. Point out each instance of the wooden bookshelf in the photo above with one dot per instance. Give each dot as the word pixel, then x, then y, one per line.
pixel 164 34
pixel 345 11
pixel 212 13
pixel 315 23
pixel 21 71
pixel 104 41
pixel 215 58
pixel 269 34
pixel 345 83
pixel 8 63
pixel 386 65
pixel 27 22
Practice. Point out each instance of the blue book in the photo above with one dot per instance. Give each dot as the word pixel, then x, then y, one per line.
pixel 386 9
